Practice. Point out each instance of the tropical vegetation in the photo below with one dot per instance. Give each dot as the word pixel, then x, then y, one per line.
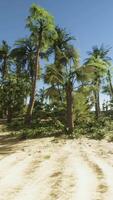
pixel 68 102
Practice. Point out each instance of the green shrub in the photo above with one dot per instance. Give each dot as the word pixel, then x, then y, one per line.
pixel 97 134
pixel 39 132
pixel 109 136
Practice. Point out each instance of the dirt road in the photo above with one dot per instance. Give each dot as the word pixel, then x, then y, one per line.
pixel 50 169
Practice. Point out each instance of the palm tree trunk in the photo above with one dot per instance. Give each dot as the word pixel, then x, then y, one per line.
pixel 97 100
pixel 9 114
pixel 4 69
pixel 28 117
pixel 69 100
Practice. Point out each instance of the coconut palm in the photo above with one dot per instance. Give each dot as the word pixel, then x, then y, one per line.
pixel 24 56
pixel 97 64
pixel 62 73
pixel 5 59
pixel 42 29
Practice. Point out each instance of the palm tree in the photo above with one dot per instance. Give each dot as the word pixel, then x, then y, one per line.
pixel 42 28
pixel 63 72
pixel 5 64
pixel 5 59
pixel 108 88
pixel 98 62
pixel 24 57
pixel 71 65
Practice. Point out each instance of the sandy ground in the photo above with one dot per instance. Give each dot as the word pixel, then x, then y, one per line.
pixel 55 169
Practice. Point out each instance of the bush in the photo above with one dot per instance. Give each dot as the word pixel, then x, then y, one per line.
pixel 109 136
pixel 94 129
pixel 16 125
pixel 97 134
pixel 44 129
pixel 38 133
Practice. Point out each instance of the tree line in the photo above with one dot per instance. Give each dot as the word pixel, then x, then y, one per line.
pixel 73 89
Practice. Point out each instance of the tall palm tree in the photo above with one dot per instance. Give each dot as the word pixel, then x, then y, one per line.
pixel 5 64
pixel 42 29
pixel 99 63
pixel 63 71
pixel 5 59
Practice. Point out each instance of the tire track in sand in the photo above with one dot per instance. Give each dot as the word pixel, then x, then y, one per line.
pixel 18 173
pixel 38 187
pixel 63 179
pixel 105 168
pixel 86 183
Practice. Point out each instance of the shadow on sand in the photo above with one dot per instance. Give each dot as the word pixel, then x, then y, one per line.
pixel 7 144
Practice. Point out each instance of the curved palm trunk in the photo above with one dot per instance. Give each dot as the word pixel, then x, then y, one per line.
pixel 69 114
pixel 28 117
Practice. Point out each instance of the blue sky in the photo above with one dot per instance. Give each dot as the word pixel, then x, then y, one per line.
pixel 90 21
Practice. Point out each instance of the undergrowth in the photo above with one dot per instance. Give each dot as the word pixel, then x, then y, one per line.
pixel 93 129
